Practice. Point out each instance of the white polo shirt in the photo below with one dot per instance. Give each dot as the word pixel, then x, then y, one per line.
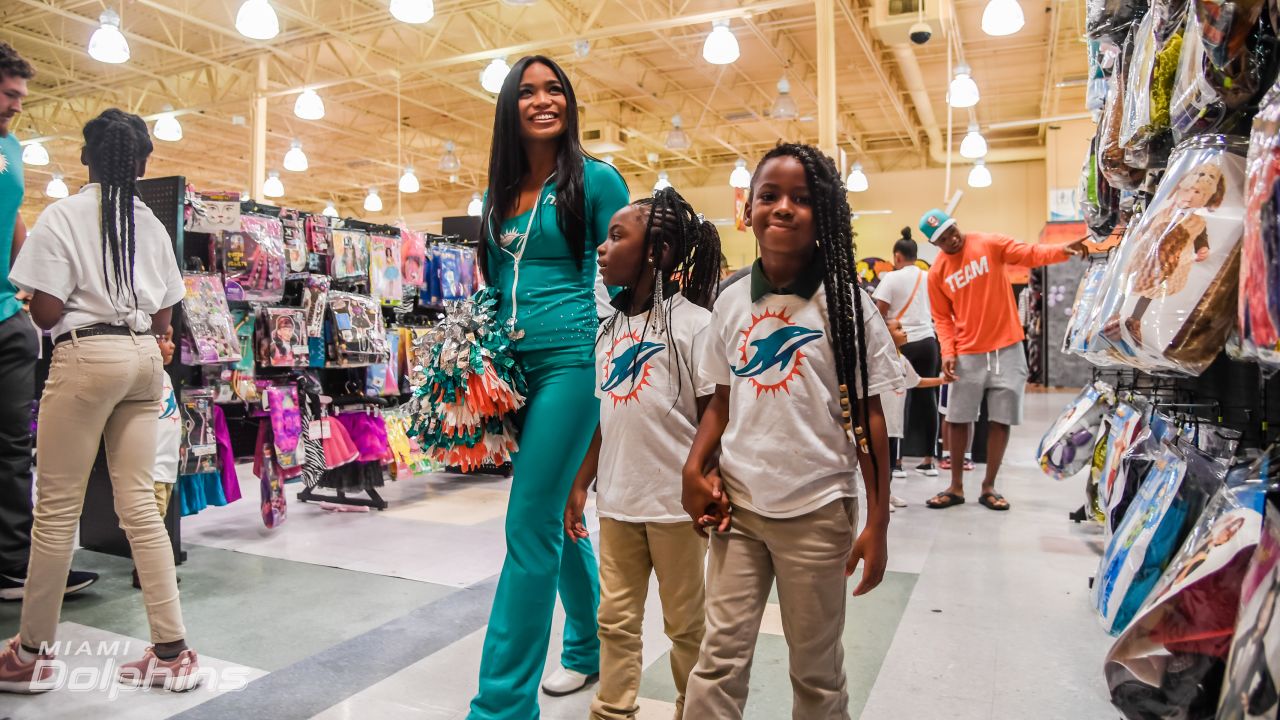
pixel 648 391
pixel 63 258
pixel 785 452
pixel 895 288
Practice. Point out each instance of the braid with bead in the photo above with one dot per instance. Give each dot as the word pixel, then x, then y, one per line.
pixel 115 142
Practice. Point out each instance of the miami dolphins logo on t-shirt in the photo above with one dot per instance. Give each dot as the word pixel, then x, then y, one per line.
pixel 626 367
pixel 168 405
pixel 770 351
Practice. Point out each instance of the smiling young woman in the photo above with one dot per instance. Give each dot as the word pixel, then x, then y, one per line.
pixel 546 211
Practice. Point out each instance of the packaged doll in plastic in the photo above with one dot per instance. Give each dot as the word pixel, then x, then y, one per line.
pixel 1174 282
pixel 208 320
pixel 1249 688
pixel 283 338
pixel 1067 447
pixel 254 260
pixel 1259 307
pixel 413 258
pixel 385 283
pixel 350 255
pixel 295 240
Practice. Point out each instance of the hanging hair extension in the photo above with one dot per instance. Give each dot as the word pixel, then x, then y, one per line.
pixel 833 233
pixel 115 143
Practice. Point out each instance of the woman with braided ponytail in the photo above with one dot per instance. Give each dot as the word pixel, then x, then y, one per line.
pixel 667 260
pixel 104 278
pixel 798 356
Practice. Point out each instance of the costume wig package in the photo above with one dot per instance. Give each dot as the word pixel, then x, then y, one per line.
pixel 207 319
pixel 350 261
pixel 357 331
pixel 384 269
pixel 1259 308
pixel 1249 690
pixel 1227 59
pixel 1169 663
pixel 282 338
pixel 254 260
pixel 1067 447
pixel 1167 300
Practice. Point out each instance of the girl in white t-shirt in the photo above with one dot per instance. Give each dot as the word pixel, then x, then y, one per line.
pixel 799 357
pixel 667 259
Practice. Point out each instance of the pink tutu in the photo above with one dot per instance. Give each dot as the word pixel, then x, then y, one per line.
pixel 369 433
pixel 338 448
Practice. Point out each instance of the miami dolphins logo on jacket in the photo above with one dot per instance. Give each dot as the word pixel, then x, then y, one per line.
pixel 626 368
pixel 771 351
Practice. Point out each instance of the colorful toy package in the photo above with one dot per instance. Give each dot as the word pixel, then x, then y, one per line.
pixel 1067 447
pixel 254 260
pixel 384 378
pixel 1124 426
pixel 1259 308
pixel 282 338
pixel 207 318
pixel 350 255
pixel 413 258
pixel 357 331
pixel 295 240
pixel 1249 689
pixel 199 450
pixel 385 282
pixel 244 373
pixel 319 243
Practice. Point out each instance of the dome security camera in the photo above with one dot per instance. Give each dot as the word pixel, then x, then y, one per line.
pixel 921 33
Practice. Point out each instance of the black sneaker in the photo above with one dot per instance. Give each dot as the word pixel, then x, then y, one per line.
pixel 12 588
pixel 927 469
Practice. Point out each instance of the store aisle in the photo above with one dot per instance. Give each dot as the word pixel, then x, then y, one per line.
pixel 382 615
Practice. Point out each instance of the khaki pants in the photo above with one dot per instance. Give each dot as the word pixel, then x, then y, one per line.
pixel 100 389
pixel 807 556
pixel 628 553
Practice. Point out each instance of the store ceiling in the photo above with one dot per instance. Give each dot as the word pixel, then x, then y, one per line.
pixel 643 65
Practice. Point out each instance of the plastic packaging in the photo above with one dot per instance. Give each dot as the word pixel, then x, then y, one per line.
pixel 1111 19
pixel 295 240
pixel 1067 447
pixel 254 260
pixel 319 243
pixel 385 282
pixel 350 259
pixel 1252 676
pixel 1110 148
pixel 199 450
pixel 413 260
pixel 1086 296
pixel 1259 306
pixel 358 334
pixel 1124 426
pixel 207 319
pixel 1136 126
pixel 282 338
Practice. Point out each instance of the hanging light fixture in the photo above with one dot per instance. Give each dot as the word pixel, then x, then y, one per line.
pixel 414 12
pixel 295 160
pixel 329 210
pixel 409 182
pixel 663 182
pixel 257 20
pixel 857 181
pixel 740 178
pixel 449 162
pixel 453 179
pixel 1002 17
pixel 56 188
pixel 974 145
pixel 33 153
pixel 273 188
pixel 784 107
pixel 677 139
pixel 964 91
pixel 372 202
pixel 721 47
pixel 581 48
pixel 494 74
pixel 107 44
pixel 167 126
pixel 979 176
pixel 309 106
pixel 475 206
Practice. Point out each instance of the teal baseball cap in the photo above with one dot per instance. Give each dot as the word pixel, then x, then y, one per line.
pixel 934 223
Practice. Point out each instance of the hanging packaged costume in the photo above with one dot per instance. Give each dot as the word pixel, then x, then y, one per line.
pixel 350 260
pixel 1249 689
pixel 357 330
pixel 1067 447
pixel 199 450
pixel 384 378
pixel 385 283
pixel 319 243
pixel 1086 296
pixel 1111 19
pixel 254 261
pixel 1112 161
pixel 1124 427
pixel 413 252
pixel 282 338
pixel 207 319
pixel 295 240
pixel 1259 307
pixel 244 373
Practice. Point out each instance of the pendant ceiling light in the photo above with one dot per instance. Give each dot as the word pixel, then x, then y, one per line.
pixel 857 181
pixel 475 206
pixel 1002 17
pixel 414 12
pixel 493 75
pixel 449 162
pixel 257 20
pixel 964 91
pixel 453 179
pixel 979 176
pixel 663 183
pixel 329 210
pixel 33 153
pixel 409 182
pixel 974 145
pixel 740 177
pixel 108 44
pixel 677 139
pixel 295 160
pixel 56 188
pixel 273 188
pixel 784 107
pixel 167 126
pixel 721 47
pixel 372 202
pixel 309 105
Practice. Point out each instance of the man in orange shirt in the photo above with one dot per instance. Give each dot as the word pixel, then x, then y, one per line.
pixel 982 354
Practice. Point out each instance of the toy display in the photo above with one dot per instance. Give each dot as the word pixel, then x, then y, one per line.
pixel 254 261
pixel 208 320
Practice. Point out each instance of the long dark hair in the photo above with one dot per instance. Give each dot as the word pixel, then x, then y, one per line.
pixel 833 236
pixel 508 165
pixel 115 142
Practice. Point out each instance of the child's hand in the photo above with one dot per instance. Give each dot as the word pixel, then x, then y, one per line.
pixel 704 499
pixel 166 346
pixel 1202 254
pixel 573 525
pixel 872 550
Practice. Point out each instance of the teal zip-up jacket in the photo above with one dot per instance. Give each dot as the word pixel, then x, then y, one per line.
pixel 554 300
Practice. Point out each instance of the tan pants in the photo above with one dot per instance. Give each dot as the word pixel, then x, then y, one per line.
pixel 807 556
pixel 628 553
pixel 100 389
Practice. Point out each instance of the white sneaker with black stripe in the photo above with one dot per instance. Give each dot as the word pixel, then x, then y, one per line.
pixel 14 588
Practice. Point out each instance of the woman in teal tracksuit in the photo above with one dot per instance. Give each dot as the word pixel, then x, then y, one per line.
pixel 547 209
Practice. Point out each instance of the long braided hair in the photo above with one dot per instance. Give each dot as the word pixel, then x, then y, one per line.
pixel 115 142
pixel 833 235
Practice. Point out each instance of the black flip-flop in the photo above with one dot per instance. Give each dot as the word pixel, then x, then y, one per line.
pixel 988 500
pixel 950 500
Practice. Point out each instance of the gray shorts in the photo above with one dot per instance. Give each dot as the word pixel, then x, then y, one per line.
pixel 1000 376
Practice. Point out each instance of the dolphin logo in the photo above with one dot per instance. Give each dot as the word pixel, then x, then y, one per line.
pixel 777 349
pixel 628 365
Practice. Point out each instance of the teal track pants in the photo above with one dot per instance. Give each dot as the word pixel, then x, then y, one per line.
pixel 561 414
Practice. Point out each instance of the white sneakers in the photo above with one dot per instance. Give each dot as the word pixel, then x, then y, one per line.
pixel 896 502
pixel 564 681
pixel 899 472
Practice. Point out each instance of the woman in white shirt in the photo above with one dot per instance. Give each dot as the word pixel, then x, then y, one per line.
pixel 102 271
pixel 903 295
